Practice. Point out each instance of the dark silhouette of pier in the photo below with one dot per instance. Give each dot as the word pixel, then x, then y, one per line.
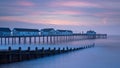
pixel 46 39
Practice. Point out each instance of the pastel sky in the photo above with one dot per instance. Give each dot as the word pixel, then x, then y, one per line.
pixel 103 16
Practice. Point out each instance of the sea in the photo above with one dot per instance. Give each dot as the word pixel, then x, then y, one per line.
pixel 105 54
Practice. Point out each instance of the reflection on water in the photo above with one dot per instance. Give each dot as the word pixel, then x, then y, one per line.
pixel 105 54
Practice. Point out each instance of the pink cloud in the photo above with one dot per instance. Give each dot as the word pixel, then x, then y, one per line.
pixel 68 12
pixel 74 4
pixel 61 12
pixel 106 14
pixel 37 20
pixel 51 20
pixel 25 3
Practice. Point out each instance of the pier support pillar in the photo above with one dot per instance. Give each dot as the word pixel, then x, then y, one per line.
pixel 8 40
pixel 39 39
pixel 34 40
pixel 43 39
pixel 14 40
pixel 5 41
pixel 47 39
pixel 24 40
pixel 30 40
pixel 19 40
pixel 50 39
pixel 1 40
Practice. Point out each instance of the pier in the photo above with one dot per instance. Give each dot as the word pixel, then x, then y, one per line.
pixel 46 39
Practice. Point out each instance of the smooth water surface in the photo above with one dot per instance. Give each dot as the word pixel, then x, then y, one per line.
pixel 106 54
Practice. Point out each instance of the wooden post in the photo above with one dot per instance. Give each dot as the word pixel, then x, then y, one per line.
pixel 67 48
pixel 36 52
pixel 20 55
pixel 63 50
pixel 28 52
pixel 48 52
pixel 28 48
pixel 36 48
pixel 9 55
pixel 49 49
pixel 42 48
pixel 59 51
pixel 42 55
pixel 54 51
pixel 71 49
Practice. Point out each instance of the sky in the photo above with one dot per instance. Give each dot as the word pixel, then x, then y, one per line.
pixel 103 16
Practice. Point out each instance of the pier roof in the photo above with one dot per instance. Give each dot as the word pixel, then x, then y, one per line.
pixel 25 29
pixel 5 30
pixel 47 29
pixel 64 30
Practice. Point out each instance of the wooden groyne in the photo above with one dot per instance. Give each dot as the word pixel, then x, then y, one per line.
pixel 15 55
pixel 10 56
pixel 49 39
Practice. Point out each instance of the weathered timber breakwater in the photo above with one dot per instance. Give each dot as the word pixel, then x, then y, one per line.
pixel 49 39
pixel 10 56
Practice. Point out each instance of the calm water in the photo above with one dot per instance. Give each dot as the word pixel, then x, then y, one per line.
pixel 106 54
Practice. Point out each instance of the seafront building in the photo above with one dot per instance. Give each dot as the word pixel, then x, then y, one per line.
pixel 48 31
pixel 91 32
pixel 64 32
pixel 36 32
pixel 25 32
pixel 5 32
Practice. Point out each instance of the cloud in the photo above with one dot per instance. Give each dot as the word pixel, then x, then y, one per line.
pixel 37 20
pixel 110 5
pixel 107 14
pixel 25 3
pixel 74 4
pixel 68 12
pixel 55 20
pixel 56 12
